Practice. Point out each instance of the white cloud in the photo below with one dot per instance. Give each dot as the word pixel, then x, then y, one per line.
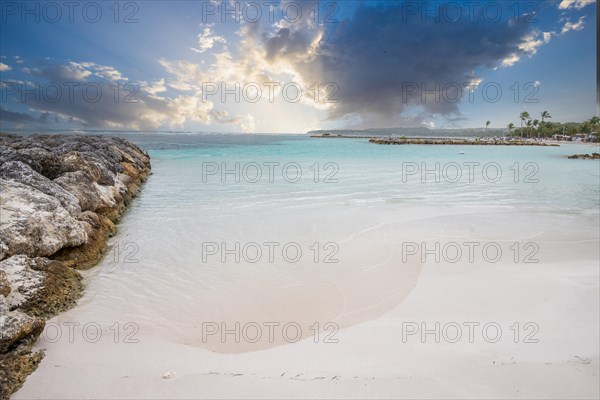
pixel 573 26
pixel 473 82
pixel 107 72
pixel 4 67
pixel 531 42
pixel 248 125
pixel 74 71
pixel 155 87
pixel 528 46
pixel 510 60
pixel 578 4
pixel 186 75
pixel 184 108
pixel 145 109
pixel 207 39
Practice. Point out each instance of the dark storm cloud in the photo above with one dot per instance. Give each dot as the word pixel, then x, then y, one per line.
pixel 377 56
pixel 15 117
pixel 286 43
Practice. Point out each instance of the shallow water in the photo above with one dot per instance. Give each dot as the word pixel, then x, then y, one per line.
pixel 172 272
pixel 355 171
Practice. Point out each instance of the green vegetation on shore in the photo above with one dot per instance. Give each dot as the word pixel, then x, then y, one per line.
pixel 542 128
pixel 530 128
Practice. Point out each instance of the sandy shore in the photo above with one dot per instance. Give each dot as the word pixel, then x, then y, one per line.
pixel 554 301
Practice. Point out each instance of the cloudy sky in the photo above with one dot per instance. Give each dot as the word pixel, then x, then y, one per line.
pixel 292 66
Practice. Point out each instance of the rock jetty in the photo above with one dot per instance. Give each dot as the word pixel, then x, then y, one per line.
pixel 593 156
pixel 462 142
pixel 60 197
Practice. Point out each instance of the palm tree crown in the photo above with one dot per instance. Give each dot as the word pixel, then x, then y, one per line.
pixel 545 115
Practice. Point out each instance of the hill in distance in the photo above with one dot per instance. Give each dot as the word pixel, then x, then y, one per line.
pixel 415 132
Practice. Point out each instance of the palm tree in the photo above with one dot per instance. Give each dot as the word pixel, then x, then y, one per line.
pixel 536 123
pixel 488 123
pixel 528 123
pixel 523 116
pixel 510 127
pixel 585 127
pixel 545 115
pixel 594 122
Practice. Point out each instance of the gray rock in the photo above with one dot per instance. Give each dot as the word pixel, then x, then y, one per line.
pixel 35 224
pixel 40 286
pixel 3 246
pixel 23 173
pixel 24 281
pixel 87 162
pixel 5 287
pixel 82 186
pixel 18 328
pixel 48 161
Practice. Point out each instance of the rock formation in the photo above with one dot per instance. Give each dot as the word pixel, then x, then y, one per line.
pixel 60 197
pixel 593 156
pixel 462 142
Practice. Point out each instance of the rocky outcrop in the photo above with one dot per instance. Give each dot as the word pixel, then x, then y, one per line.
pixel 593 156
pixel 60 197
pixel 18 332
pixel 20 172
pixel 40 286
pixel 98 228
pixel 34 223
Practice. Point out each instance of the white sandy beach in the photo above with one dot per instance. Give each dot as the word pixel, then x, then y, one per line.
pixel 369 301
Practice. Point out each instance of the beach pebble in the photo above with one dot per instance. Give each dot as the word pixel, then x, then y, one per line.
pixel 168 375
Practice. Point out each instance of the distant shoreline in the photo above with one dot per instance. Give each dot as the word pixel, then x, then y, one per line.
pixel 442 141
pixel 461 142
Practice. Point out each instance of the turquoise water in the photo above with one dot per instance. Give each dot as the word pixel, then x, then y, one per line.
pixel 367 200
pixel 355 171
